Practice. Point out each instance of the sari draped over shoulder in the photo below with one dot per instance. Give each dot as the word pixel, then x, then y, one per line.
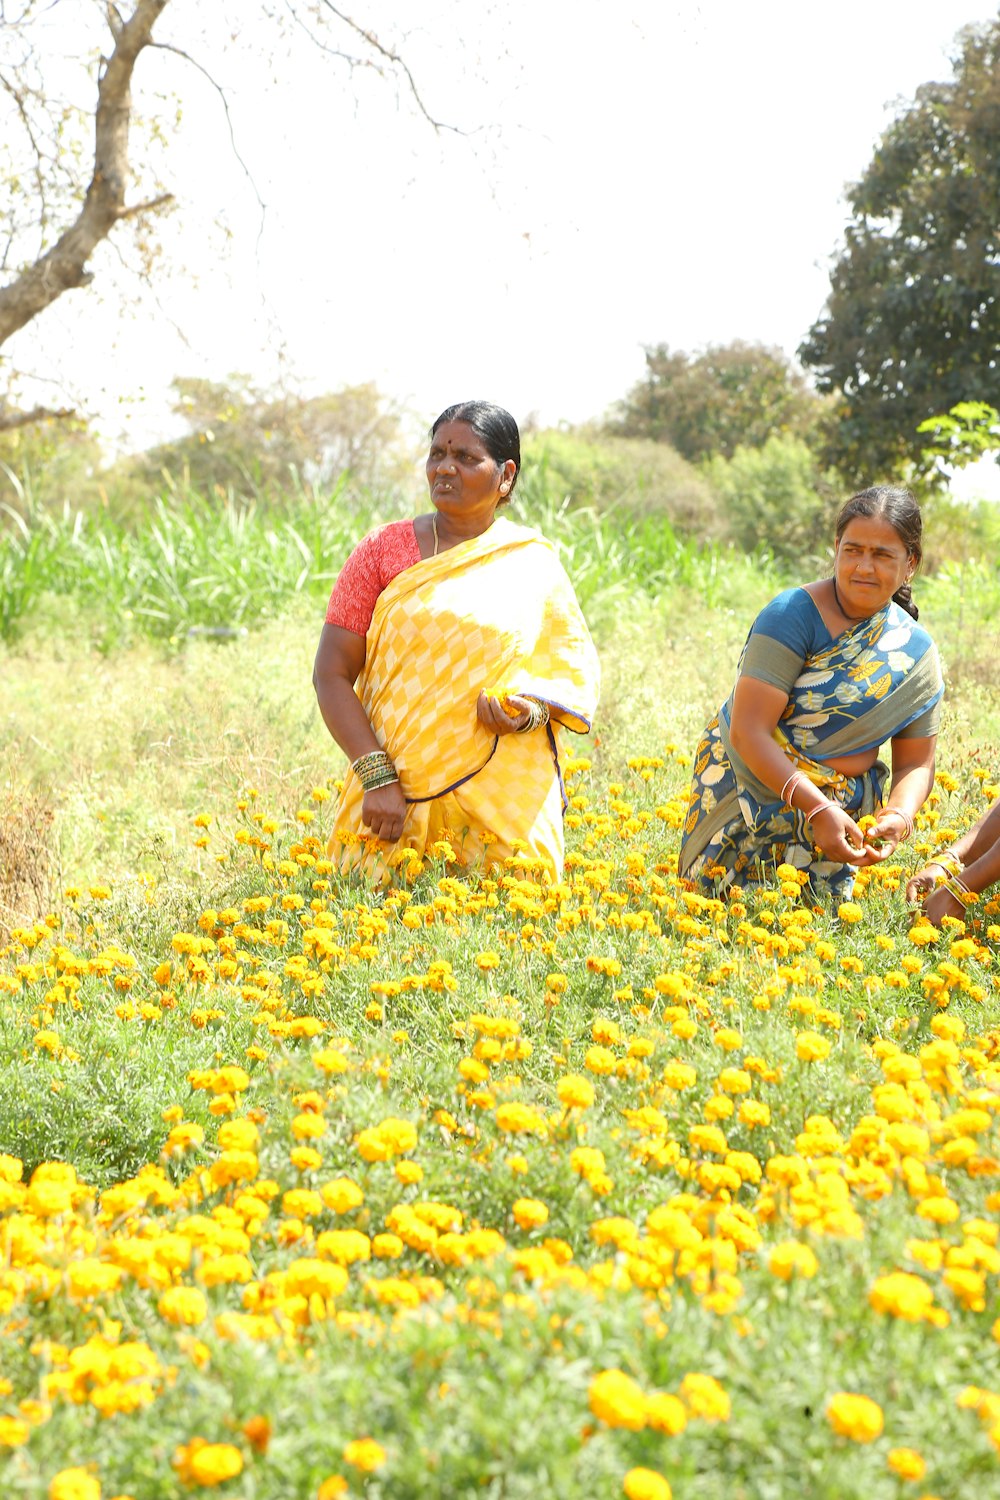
pixel 878 680
pixel 496 613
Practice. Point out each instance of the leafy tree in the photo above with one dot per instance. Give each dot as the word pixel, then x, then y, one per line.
pixel 912 324
pixel 730 395
pixel 777 497
pixel 253 441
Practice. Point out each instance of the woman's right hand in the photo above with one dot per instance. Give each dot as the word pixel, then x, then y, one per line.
pixel 383 810
pixel 923 882
pixel 837 835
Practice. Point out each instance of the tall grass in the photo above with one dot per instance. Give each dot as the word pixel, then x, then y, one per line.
pixel 194 563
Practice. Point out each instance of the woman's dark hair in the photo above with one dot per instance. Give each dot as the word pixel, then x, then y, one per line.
pixel 897 506
pixel 493 425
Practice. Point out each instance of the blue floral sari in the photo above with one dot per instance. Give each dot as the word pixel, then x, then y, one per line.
pixel 849 693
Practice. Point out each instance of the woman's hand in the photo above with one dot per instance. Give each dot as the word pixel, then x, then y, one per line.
pixel 883 837
pixel 923 882
pixel 384 812
pixel 837 835
pixel 941 903
pixel 492 715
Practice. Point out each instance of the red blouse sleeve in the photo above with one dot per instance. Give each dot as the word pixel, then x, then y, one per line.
pixel 371 567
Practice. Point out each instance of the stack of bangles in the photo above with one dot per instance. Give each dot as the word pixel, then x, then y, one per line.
pixel 374 770
pixel 959 891
pixel 951 880
pixel 788 792
pixel 538 716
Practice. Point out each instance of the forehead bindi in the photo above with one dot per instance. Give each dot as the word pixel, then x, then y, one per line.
pixel 459 437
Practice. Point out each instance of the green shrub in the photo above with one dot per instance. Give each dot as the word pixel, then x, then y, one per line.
pixel 778 498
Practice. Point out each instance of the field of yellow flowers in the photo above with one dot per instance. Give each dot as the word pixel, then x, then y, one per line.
pixel 484 1186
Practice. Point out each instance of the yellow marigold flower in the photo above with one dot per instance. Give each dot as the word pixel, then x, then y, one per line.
pixel 679 1076
pixel 91 1278
pixel 529 1213
pixel 409 1172
pixel 342 1195
pixel 387 1246
pixel 734 1081
pixel 74 1484
pixel 617 1400
pixel 850 911
pixel 791 1258
pixel 856 1417
pixel 13 1432
pixel 646 1484
pixel 906 1463
pixel 600 1060
pixel 208 1463
pixel 184 1306
pixel 705 1398
pixel 666 1413
pixel 575 1092
pixel 811 1047
pixel 364 1454
pixel 939 1210
pixel 753 1113
pixel 519 1119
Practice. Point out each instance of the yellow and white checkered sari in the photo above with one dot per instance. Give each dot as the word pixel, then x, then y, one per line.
pixel 495 613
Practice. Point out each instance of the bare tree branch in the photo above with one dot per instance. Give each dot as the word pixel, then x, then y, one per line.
pixel 397 62
pixel 65 265
pixel 200 68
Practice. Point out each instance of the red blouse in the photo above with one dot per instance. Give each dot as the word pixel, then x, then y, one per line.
pixel 371 567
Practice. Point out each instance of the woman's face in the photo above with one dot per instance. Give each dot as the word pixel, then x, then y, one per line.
pixel 464 480
pixel 870 563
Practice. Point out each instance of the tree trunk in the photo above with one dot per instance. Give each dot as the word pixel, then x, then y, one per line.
pixel 65 265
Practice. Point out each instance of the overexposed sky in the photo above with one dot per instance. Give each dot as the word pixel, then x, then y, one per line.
pixel 634 172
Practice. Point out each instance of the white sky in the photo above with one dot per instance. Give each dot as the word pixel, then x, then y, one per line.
pixel 639 172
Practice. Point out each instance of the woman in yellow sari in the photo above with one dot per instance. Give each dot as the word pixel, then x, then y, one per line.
pixel 453 656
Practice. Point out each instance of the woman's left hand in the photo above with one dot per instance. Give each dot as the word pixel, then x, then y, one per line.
pixel 884 837
pixel 493 716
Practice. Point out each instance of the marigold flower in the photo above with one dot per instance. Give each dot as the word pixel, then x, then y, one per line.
pixel 705 1398
pixel 906 1463
pixel 529 1213
pixel 575 1092
pixel 332 1488
pixel 856 1417
pixel 646 1484
pixel 791 1258
pixel 666 1413
pixel 617 1400
pixel 364 1454
pixel 74 1484
pixel 811 1047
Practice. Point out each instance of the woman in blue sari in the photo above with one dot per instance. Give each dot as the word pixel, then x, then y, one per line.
pixel 829 673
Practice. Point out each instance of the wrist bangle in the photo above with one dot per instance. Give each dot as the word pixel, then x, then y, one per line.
pixel 948 861
pixel 374 770
pixel 899 812
pixel 538 715
pixel 820 807
pixel 788 790
pixel 957 888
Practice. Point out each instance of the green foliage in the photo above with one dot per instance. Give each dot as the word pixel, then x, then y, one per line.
pixel 912 324
pixel 50 464
pixel 777 497
pixel 255 443
pixel 732 395
pixel 970 430
pixel 633 475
